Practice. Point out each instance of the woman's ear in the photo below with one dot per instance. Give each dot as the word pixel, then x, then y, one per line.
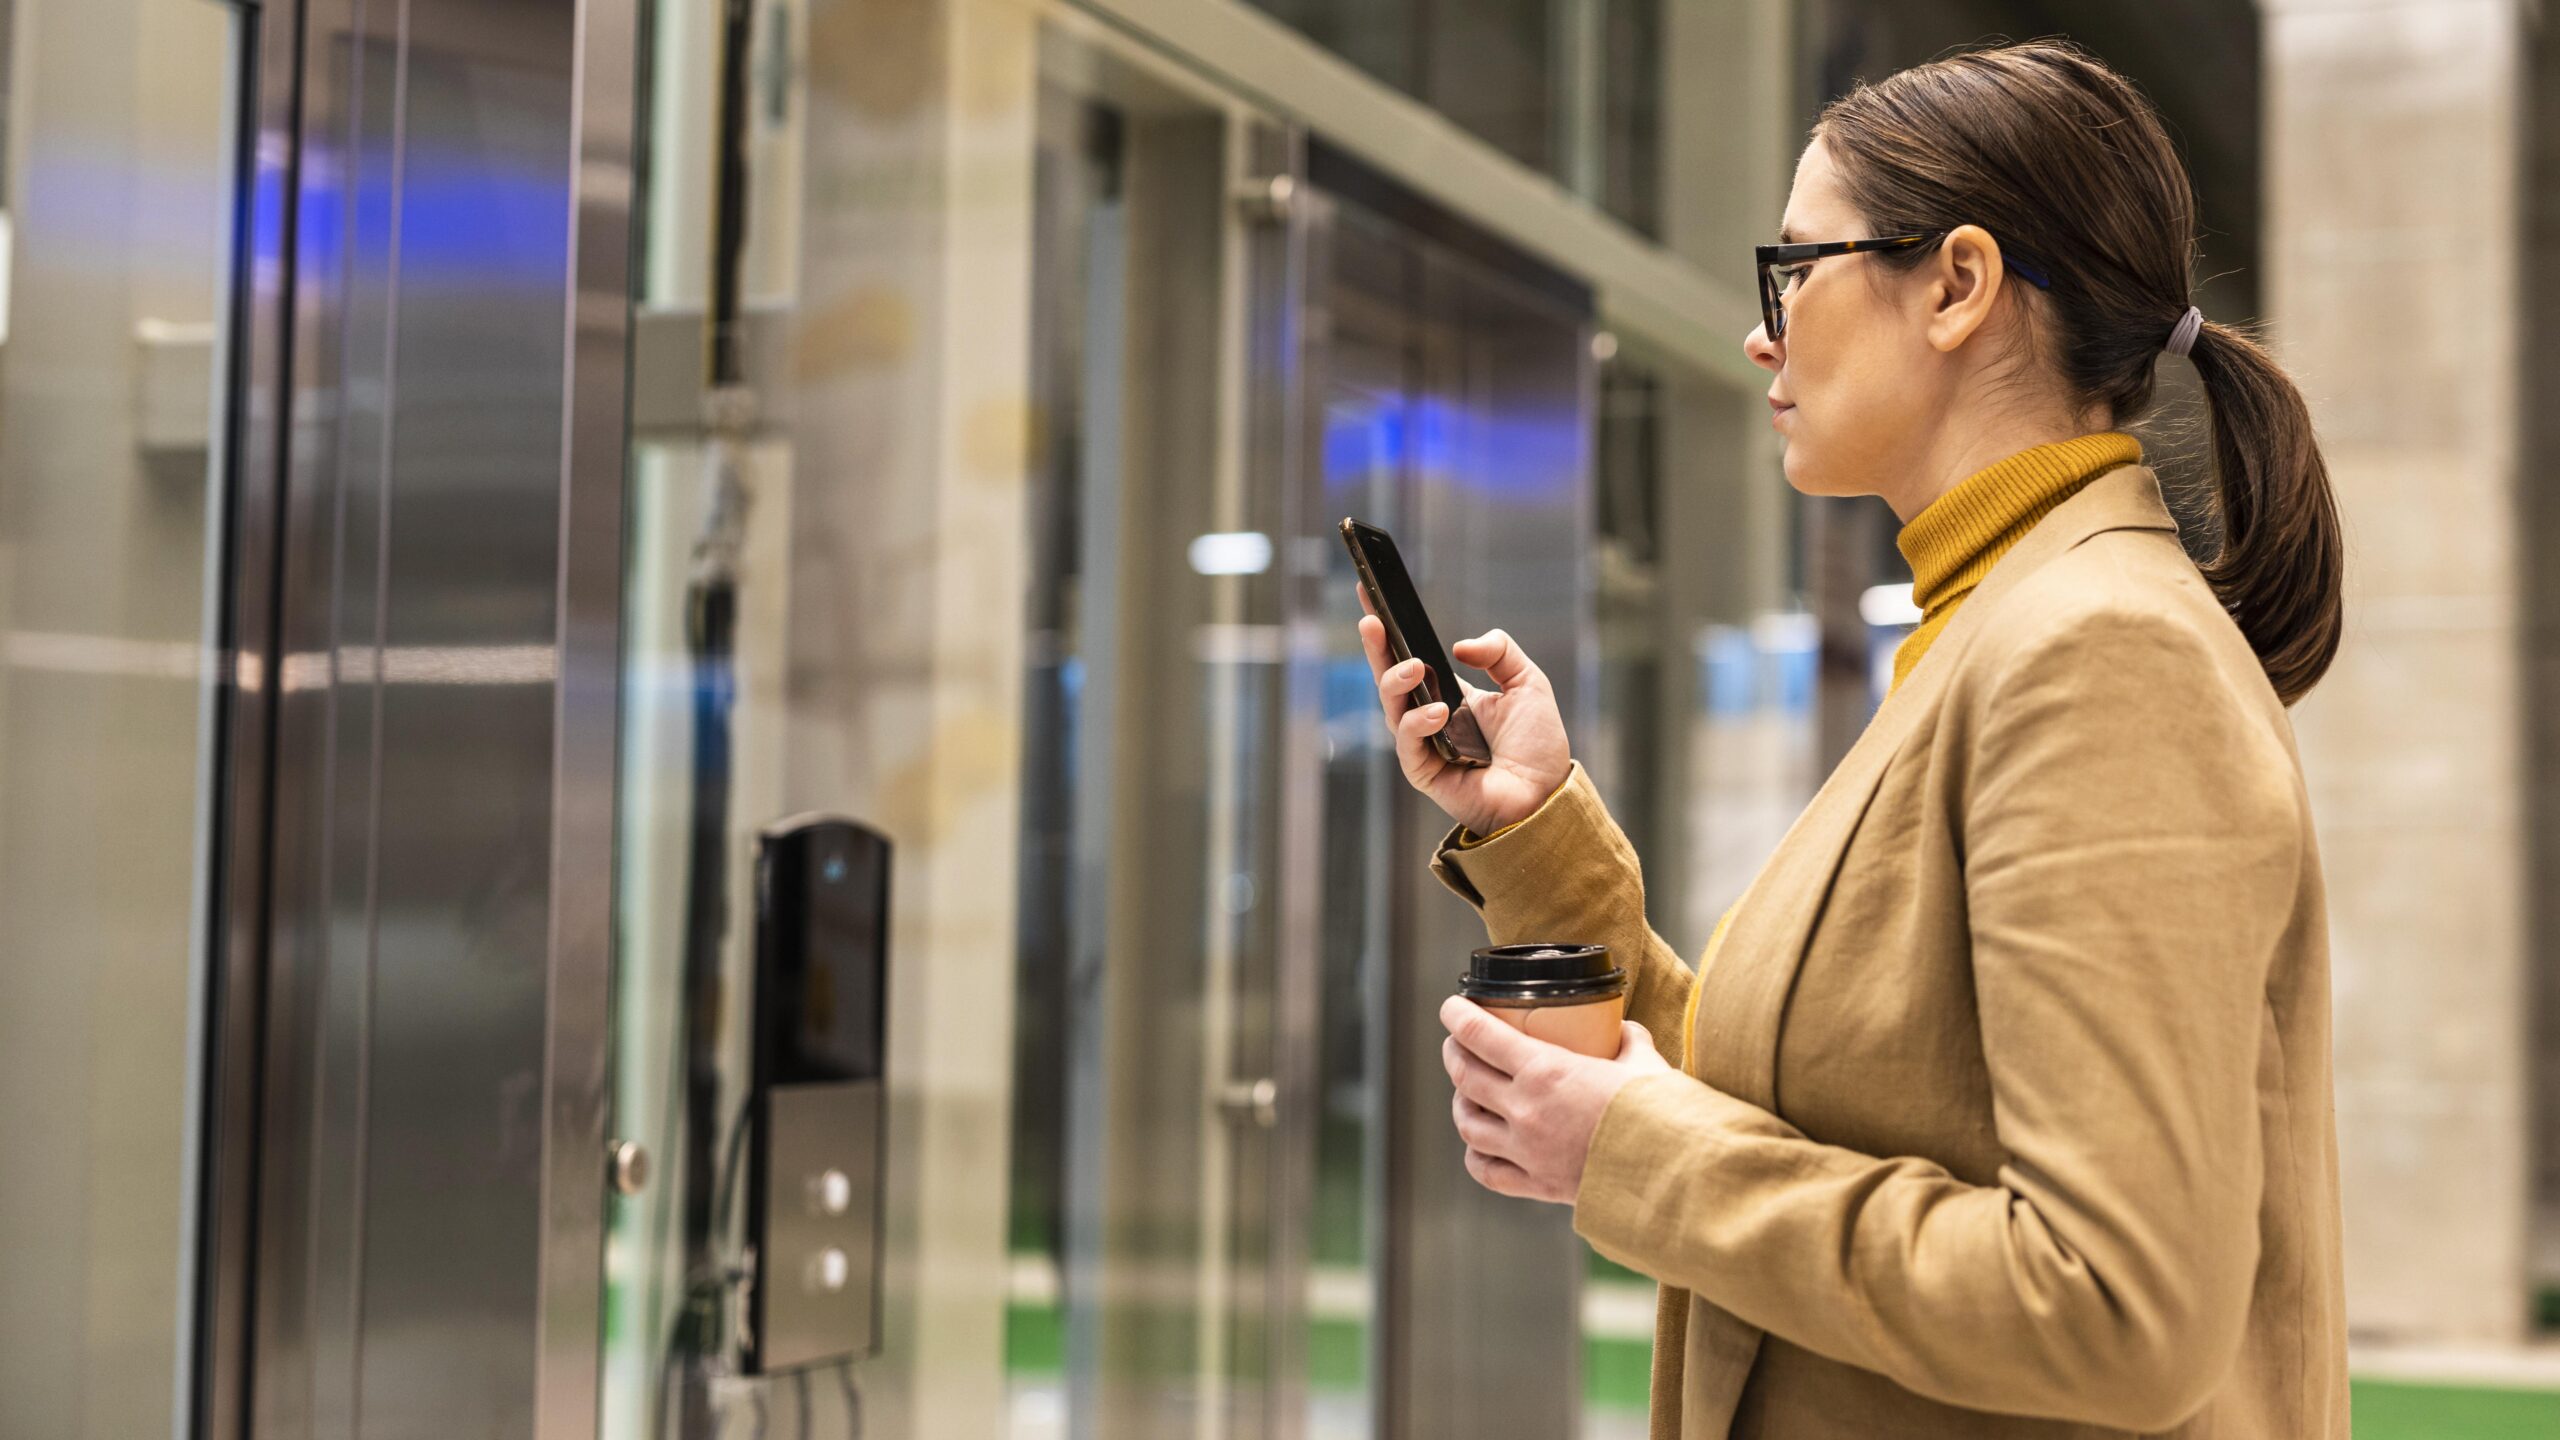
pixel 1965 277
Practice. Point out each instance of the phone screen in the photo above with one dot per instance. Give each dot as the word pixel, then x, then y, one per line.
pixel 1404 607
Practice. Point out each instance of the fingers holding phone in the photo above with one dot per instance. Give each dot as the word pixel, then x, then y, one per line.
pixel 1487 757
pixel 1412 718
pixel 1496 654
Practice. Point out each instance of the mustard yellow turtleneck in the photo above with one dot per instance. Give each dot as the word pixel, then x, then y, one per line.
pixel 1955 539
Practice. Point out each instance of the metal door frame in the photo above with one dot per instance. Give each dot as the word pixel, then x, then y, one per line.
pixel 291 668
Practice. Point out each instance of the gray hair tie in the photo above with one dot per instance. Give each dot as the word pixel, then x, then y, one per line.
pixel 2184 336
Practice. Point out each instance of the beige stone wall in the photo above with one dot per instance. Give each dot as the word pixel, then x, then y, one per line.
pixel 2392 153
pixel 2541 527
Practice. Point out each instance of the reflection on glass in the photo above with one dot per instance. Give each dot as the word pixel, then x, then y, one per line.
pixel 708 550
pixel 1367 424
pixel 116 221
pixel 1058 941
pixel 1571 88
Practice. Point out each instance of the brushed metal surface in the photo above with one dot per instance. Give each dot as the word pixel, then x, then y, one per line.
pixel 595 311
pixel 820 1300
pixel 443 671
pixel 290 1251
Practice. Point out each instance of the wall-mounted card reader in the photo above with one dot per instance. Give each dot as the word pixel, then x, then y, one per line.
pixel 814 1178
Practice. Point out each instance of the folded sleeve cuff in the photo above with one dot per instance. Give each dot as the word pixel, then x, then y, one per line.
pixel 1500 874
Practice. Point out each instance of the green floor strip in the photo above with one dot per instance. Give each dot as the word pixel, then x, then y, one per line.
pixel 1035 1340
pixel 1337 1355
pixel 2393 1410
pixel 1614 1375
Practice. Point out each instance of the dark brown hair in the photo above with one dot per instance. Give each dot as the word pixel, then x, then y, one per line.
pixel 2068 167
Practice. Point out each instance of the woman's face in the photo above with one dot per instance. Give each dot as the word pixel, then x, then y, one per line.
pixel 1864 374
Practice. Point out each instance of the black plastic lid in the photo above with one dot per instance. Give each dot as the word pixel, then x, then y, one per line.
pixel 1541 970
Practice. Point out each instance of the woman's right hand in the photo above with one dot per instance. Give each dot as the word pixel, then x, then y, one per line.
pixel 1521 725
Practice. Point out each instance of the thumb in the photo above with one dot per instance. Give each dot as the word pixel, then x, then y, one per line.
pixel 1635 1043
pixel 1496 654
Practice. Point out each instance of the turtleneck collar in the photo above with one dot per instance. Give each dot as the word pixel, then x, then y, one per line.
pixel 1955 539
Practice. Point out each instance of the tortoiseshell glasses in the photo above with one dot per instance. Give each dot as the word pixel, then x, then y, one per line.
pixel 1794 260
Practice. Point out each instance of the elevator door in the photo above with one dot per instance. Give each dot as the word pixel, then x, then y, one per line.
pixel 1238 1208
pixel 402 1225
pixel 1446 398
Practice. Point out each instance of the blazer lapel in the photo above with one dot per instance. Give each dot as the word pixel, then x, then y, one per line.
pixel 1743 996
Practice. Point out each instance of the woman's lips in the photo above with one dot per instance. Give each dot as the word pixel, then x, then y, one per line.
pixel 1777 410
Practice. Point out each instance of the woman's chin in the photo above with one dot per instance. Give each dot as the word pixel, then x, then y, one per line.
pixel 1807 475
pixel 1801 474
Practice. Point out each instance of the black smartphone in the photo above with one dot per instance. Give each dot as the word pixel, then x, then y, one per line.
pixel 1409 634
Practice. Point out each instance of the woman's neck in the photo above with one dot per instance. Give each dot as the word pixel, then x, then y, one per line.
pixel 1959 450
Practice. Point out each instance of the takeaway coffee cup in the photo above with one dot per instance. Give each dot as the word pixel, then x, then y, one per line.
pixel 1567 994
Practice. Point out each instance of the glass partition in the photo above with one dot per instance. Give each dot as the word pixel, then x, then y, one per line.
pixel 1569 88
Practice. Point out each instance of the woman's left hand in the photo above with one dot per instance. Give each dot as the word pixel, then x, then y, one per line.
pixel 1527 1108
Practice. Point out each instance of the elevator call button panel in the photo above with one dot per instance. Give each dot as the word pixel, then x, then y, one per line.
pixel 815 1180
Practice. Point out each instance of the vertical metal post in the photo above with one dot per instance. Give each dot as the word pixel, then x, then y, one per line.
pixel 1582 130
pixel 596 313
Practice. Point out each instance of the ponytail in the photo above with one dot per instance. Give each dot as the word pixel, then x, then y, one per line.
pixel 1991 137
pixel 2281 565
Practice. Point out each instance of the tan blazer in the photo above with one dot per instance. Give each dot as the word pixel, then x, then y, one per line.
pixel 2009 1110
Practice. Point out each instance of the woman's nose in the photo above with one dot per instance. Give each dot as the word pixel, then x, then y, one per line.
pixel 1766 353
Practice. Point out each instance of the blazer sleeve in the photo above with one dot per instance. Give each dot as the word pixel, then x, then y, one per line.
pixel 2132 841
pixel 1569 873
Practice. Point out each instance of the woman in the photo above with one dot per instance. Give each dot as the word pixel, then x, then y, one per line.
pixel 2004 1102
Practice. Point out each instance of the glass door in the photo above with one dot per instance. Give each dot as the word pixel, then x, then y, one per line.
pixel 1448 400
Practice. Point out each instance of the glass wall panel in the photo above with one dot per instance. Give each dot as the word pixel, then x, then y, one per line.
pixel 801 640
pixel 1569 88
pixel 117 215
pixel 1077 288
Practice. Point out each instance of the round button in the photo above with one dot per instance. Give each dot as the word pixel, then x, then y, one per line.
pixel 831 1191
pixel 829 1270
pixel 630 1167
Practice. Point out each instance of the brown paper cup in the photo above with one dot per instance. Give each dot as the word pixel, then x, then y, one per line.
pixel 1589 1027
pixel 1566 993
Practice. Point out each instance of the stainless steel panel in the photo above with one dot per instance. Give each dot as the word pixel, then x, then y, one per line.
pixel 822 1225
pixel 309 278
pixel 432 1149
pixel 586 716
